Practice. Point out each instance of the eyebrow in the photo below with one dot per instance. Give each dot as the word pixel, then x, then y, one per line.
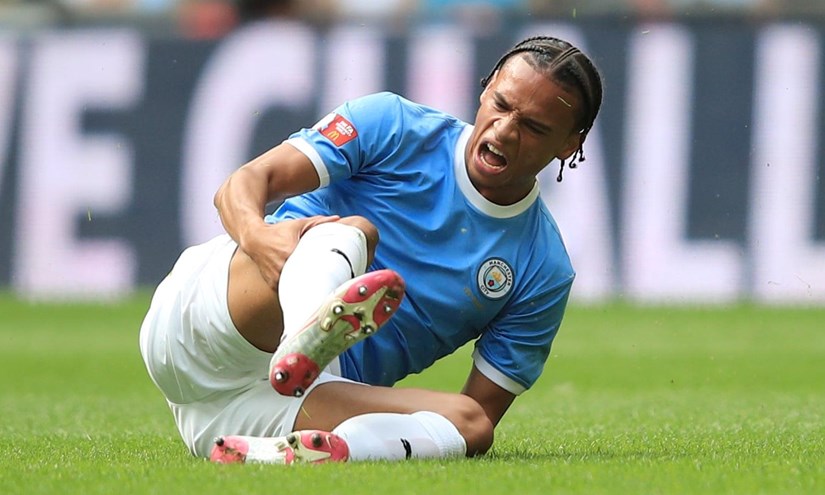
pixel 531 121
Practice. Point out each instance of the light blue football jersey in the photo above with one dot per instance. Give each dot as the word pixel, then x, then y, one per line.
pixel 499 275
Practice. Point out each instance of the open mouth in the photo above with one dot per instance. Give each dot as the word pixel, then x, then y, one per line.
pixel 492 156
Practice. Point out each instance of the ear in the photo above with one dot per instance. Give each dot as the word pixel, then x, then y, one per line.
pixel 570 146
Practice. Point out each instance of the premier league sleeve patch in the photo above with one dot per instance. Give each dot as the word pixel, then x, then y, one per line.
pixel 495 278
pixel 337 129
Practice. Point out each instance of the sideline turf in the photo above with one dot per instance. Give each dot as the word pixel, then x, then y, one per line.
pixel 634 400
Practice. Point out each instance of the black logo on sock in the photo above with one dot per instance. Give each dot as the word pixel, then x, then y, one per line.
pixel 407 447
pixel 351 270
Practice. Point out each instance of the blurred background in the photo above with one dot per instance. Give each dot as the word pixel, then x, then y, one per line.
pixel 215 18
pixel 702 185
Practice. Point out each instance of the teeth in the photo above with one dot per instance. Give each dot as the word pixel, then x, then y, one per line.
pixel 494 150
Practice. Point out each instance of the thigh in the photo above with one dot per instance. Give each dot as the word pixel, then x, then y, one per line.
pixel 188 341
pixel 254 306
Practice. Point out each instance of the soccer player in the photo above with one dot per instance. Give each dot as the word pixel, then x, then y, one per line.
pixel 468 252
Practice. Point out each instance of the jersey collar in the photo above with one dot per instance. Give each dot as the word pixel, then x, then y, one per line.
pixel 474 197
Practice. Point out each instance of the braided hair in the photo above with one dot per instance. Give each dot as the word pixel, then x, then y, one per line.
pixel 568 66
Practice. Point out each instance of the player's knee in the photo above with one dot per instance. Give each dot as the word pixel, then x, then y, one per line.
pixel 473 424
pixel 367 227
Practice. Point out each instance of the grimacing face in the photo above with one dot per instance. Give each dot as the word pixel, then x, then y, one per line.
pixel 525 121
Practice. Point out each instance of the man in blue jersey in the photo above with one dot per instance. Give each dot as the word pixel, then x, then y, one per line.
pixel 468 252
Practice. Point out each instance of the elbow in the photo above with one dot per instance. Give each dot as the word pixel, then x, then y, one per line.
pixel 217 200
pixel 472 423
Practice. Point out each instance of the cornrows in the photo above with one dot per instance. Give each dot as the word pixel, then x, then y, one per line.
pixel 568 66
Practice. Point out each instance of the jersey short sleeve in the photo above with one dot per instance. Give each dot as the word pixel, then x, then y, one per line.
pixel 355 135
pixel 512 351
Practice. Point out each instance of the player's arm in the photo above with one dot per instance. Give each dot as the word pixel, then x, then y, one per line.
pixel 281 172
pixel 513 349
pixel 493 399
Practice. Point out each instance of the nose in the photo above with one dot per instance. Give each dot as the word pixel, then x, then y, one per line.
pixel 505 127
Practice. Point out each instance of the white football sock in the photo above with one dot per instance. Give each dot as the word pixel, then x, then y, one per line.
pixel 388 436
pixel 326 256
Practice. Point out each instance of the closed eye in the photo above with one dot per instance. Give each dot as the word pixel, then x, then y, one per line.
pixel 534 126
pixel 500 104
pixel 537 128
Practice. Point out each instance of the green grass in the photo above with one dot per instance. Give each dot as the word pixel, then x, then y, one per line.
pixel 634 400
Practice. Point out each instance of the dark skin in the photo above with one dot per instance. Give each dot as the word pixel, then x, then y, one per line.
pixel 526 117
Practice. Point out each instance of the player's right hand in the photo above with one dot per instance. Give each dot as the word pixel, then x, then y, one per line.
pixel 269 245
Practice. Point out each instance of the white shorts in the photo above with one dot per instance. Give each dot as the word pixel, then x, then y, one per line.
pixel 214 380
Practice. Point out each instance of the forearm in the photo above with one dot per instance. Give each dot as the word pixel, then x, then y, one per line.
pixel 278 174
pixel 493 399
pixel 241 201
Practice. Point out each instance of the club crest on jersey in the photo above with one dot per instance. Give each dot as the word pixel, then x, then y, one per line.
pixel 337 129
pixel 495 278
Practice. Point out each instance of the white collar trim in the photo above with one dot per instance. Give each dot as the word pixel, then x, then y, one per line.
pixel 474 197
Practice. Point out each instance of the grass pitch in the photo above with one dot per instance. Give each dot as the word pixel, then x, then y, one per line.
pixel 633 400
